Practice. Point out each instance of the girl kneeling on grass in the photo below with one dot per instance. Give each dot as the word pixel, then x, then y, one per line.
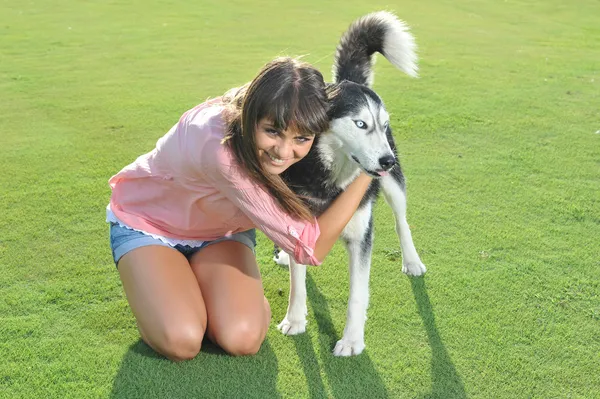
pixel 182 216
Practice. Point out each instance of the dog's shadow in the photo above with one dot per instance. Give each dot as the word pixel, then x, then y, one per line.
pixel 445 381
pixel 356 377
pixel 212 374
pixel 352 377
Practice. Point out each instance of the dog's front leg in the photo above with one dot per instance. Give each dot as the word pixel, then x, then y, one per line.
pixel 295 318
pixel 395 195
pixel 358 236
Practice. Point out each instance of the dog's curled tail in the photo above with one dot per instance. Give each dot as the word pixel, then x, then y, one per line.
pixel 379 32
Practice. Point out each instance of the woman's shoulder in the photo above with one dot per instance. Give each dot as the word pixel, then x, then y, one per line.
pixel 210 113
pixel 202 131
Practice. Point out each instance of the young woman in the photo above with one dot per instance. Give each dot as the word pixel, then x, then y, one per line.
pixel 182 216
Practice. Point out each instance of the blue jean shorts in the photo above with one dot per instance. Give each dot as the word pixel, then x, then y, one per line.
pixel 124 240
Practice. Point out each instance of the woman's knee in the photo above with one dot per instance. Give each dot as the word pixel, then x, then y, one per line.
pixel 242 338
pixel 178 342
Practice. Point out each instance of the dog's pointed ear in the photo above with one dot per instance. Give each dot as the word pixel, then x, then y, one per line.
pixel 333 92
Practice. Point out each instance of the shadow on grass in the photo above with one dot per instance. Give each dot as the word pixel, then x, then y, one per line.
pixel 212 374
pixel 352 377
pixel 446 382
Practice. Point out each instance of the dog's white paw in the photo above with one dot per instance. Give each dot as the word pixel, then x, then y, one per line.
pixel 348 347
pixel 282 259
pixel 289 327
pixel 415 268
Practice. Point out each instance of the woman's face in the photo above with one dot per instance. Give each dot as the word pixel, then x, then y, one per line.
pixel 279 149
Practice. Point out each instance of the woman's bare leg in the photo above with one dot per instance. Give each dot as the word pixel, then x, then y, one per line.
pixel 165 299
pixel 238 312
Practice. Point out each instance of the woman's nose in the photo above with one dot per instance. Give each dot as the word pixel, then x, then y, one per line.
pixel 284 149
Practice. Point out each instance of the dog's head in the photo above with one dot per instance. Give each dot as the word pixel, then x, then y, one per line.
pixel 360 122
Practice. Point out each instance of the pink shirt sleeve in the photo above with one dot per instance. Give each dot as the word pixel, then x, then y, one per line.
pixel 296 237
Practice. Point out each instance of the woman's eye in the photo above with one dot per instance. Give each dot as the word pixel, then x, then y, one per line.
pixel 271 132
pixel 360 124
pixel 303 140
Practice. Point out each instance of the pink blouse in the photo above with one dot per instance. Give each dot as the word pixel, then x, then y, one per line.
pixel 190 187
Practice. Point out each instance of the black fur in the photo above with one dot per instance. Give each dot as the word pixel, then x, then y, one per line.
pixel 357 45
pixel 367 242
pixel 347 97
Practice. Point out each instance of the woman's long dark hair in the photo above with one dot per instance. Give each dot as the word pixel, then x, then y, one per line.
pixel 289 93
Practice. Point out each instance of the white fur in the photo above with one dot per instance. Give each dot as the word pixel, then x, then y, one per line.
pixel 353 340
pixel 295 318
pixel 399 45
pixel 396 198
pixel 343 168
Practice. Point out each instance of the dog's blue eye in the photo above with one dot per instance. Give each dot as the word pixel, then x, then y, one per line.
pixel 360 124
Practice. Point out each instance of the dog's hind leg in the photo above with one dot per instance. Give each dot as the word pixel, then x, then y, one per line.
pixel 395 195
pixel 280 256
pixel 358 236
pixel 295 318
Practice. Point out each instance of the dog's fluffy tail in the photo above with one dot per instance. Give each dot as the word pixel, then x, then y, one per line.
pixel 376 32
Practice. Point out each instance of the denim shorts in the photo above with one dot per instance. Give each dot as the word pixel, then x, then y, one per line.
pixel 124 240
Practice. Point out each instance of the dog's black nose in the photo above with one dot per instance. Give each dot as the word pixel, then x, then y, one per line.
pixel 387 162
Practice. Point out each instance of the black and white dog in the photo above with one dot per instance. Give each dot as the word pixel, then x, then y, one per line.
pixel 360 137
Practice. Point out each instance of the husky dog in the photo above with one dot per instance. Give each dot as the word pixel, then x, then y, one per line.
pixel 360 137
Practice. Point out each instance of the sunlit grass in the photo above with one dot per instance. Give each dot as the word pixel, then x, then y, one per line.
pixel 498 140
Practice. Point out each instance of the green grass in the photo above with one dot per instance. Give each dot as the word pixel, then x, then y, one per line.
pixel 498 140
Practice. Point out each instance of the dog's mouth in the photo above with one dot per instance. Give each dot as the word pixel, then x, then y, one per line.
pixel 372 173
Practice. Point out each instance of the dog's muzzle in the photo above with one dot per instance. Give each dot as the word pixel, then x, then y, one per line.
pixel 387 163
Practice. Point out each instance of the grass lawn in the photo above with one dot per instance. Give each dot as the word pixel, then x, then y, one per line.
pixel 499 139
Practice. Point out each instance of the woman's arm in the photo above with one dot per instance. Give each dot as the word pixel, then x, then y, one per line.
pixel 338 214
pixel 308 242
